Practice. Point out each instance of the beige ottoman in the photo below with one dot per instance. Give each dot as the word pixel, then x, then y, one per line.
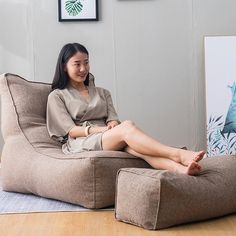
pixel 156 199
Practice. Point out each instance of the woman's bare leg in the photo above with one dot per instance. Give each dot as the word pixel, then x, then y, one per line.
pixel 166 164
pixel 128 134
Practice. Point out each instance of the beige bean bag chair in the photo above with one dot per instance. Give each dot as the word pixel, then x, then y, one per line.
pixel 33 163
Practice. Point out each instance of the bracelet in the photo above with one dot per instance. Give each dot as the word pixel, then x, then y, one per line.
pixel 86 131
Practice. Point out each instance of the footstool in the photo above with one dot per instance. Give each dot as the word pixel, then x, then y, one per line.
pixel 156 199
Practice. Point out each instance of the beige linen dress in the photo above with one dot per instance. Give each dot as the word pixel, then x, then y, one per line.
pixel 66 108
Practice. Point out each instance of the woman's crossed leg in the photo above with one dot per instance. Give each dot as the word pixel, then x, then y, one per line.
pixel 127 135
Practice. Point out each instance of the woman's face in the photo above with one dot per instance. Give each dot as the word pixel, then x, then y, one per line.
pixel 78 67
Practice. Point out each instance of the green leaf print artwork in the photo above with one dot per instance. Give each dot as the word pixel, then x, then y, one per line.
pixel 73 7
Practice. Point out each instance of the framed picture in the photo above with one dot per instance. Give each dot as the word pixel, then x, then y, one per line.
pixel 78 10
pixel 220 74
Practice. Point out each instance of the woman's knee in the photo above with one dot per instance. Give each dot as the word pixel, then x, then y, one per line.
pixel 128 124
pixel 129 127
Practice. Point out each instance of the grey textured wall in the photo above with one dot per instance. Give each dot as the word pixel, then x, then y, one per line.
pixel 148 53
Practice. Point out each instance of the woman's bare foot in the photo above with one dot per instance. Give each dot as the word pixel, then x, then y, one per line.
pixel 187 157
pixel 192 169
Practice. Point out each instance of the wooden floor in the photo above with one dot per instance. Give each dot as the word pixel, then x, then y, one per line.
pixel 102 223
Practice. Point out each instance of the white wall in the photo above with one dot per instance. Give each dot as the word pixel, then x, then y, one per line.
pixel 148 53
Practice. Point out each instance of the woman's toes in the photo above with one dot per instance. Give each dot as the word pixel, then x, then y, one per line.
pixel 199 156
pixel 193 168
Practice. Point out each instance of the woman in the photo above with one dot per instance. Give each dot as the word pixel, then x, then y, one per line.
pixel 83 118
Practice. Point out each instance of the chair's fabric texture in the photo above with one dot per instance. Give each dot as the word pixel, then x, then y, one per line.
pixel 31 162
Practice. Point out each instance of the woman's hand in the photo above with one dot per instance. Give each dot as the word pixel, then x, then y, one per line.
pixel 97 129
pixel 78 131
pixel 111 124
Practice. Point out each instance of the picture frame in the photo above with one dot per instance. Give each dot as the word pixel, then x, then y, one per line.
pixel 220 79
pixel 77 10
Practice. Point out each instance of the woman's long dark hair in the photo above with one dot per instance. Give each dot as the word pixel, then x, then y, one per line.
pixel 61 78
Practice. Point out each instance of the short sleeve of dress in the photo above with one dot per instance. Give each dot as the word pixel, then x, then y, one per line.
pixel 59 121
pixel 112 115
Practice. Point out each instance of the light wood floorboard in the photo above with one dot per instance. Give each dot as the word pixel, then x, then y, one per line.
pixel 103 223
